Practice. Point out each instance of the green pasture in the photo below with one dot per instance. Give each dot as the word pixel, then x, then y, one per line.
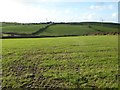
pixel 27 29
pixel 66 62
pixel 67 29
pixel 104 28
pixel 61 29
pixel 85 29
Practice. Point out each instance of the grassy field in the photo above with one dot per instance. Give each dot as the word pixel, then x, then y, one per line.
pixel 105 28
pixel 27 29
pixel 66 62
pixel 68 29
pixel 61 29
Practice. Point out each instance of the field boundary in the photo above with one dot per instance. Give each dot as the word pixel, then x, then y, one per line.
pixel 42 29
pixel 33 36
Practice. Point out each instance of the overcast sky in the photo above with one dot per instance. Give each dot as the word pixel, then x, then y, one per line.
pixel 58 10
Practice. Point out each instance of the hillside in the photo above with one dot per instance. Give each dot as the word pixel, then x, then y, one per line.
pixel 60 29
pixel 79 29
pixel 21 28
pixel 67 29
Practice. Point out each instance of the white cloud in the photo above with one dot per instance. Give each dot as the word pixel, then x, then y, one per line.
pixel 114 17
pixel 67 11
pixel 94 7
pixel 85 17
pixel 89 16
pixel 101 7
pixel 110 6
pixel 18 12
pixel 78 0
pixel 114 14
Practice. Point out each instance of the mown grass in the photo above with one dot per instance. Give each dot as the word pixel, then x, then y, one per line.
pixel 27 29
pixel 66 62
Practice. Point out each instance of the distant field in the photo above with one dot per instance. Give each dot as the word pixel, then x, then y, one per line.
pixel 67 62
pixel 27 29
pixel 67 29
pixel 105 28
pixel 62 29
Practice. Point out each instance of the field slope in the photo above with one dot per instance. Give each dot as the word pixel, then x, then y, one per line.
pixel 79 29
pixel 66 29
pixel 21 28
pixel 67 62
